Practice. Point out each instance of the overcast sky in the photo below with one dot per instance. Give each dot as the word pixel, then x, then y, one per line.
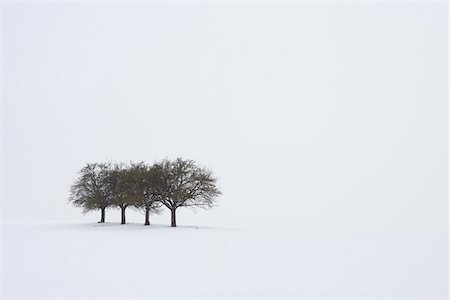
pixel 313 115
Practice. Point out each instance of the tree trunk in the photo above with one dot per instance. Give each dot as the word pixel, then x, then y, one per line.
pixel 173 218
pixel 102 220
pixel 147 216
pixel 123 215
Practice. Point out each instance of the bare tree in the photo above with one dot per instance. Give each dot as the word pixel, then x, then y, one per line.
pixel 124 193
pixel 185 184
pixel 93 189
pixel 144 184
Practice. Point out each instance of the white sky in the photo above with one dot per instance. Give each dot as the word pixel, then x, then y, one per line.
pixel 319 115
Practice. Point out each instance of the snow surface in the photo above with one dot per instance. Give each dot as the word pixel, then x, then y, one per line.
pixel 64 259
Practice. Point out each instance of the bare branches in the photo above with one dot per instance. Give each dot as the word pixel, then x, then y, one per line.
pixel 185 184
pixel 92 190
pixel 170 183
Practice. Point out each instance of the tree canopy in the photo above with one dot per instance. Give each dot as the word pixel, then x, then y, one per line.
pixel 93 190
pixel 186 185
pixel 170 183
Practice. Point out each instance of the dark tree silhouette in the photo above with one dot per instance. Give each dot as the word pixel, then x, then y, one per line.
pixel 172 183
pixel 184 184
pixel 93 189
pixel 124 193
pixel 144 185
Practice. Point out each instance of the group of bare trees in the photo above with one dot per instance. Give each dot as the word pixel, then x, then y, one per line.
pixel 169 183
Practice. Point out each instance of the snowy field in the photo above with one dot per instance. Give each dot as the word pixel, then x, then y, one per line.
pixel 63 259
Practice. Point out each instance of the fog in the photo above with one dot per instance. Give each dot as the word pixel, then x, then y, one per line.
pixel 316 117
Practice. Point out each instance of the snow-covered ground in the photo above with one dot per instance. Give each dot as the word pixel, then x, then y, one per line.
pixel 86 259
